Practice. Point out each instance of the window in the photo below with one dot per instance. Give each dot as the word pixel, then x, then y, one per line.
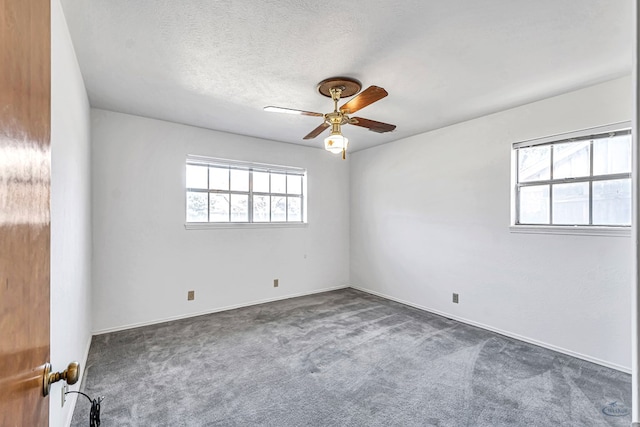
pixel 232 192
pixel 579 179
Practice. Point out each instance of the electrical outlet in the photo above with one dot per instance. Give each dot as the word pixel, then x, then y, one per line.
pixel 456 298
pixel 64 391
pixel 191 295
pixel 275 283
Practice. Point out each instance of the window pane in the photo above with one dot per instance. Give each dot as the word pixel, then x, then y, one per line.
pixel 294 184
pixel 571 203
pixel 571 159
pixel 278 208
pixel 612 202
pixel 261 208
pixel 534 205
pixel 219 208
pixel 242 192
pixel 261 182
pixel 197 207
pixel 293 209
pixel 278 183
pixel 219 179
pixel 612 155
pixel 196 176
pixel 239 180
pixel 534 163
pixel 239 208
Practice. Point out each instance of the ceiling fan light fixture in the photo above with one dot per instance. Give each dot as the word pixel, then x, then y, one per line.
pixel 336 143
pixel 337 88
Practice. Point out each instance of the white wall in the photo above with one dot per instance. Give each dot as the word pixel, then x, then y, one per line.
pixel 430 216
pixel 144 259
pixel 70 214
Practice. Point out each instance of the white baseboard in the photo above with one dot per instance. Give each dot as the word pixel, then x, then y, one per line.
pixel 72 399
pixel 215 310
pixel 500 331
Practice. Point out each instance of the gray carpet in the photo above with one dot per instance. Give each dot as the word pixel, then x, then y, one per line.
pixel 342 358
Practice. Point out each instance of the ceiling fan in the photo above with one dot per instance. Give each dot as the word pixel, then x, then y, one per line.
pixel 336 88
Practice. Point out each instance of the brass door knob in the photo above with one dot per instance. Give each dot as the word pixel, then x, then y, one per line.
pixel 70 375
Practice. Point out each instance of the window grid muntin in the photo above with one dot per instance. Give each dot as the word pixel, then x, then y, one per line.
pixel 551 161
pixel 250 169
pixel 551 182
pixel 591 149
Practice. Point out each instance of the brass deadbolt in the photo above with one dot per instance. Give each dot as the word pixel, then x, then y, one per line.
pixel 70 375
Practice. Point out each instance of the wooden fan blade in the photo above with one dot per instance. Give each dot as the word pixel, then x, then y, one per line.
pixel 364 98
pixel 372 125
pixel 292 111
pixel 317 131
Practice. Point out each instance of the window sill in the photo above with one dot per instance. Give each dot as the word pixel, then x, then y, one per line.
pixel 236 225
pixel 572 230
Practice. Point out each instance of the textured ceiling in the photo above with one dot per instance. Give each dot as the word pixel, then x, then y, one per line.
pixel 216 64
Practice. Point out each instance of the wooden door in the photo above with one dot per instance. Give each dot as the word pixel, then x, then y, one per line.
pixel 25 93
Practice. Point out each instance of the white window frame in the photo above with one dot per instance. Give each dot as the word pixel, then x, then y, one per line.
pixel 588 230
pixel 193 159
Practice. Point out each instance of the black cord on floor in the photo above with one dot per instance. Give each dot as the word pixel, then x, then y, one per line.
pixel 94 414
